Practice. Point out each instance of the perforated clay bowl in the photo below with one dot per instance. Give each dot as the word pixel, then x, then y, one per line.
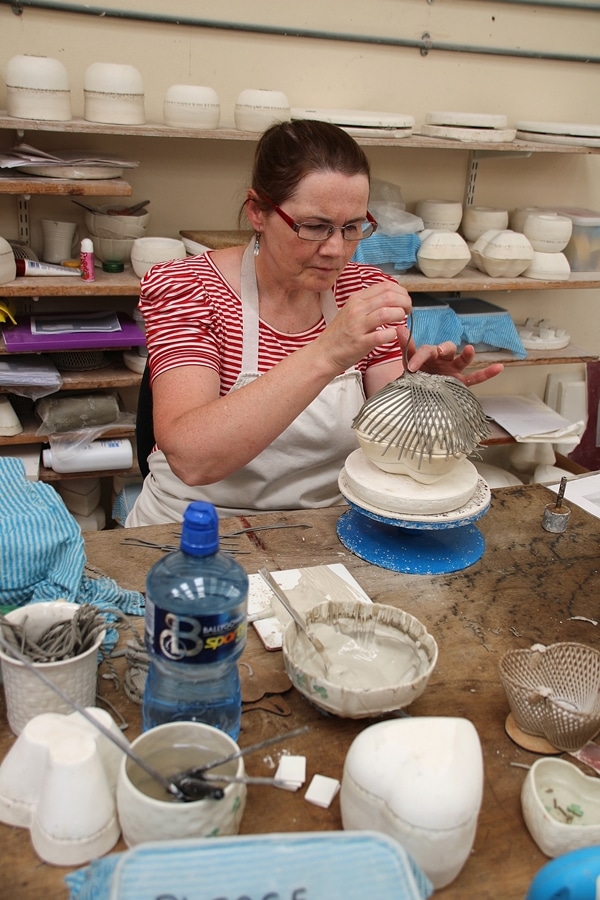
pixel 554 692
pixel 380 658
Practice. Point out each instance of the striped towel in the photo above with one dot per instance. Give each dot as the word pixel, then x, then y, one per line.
pixel 42 555
pixel 398 249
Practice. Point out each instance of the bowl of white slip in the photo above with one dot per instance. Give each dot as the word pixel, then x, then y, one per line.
pixel 377 658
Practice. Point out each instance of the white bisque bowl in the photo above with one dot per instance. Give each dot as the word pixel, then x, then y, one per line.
pixel 257 109
pixel 113 94
pixel 420 781
pixel 548 232
pixel 148 251
pixel 439 215
pixel 192 106
pixel 548 267
pixel 478 219
pixel 37 87
pixel 442 254
pixel 502 254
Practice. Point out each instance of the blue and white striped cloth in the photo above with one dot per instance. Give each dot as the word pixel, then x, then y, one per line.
pixel 398 249
pixel 42 554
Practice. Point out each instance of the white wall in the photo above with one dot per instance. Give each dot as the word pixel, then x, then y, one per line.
pixel 200 184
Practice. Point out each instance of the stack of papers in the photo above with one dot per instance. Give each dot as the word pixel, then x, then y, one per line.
pixel 24 155
pixel 529 420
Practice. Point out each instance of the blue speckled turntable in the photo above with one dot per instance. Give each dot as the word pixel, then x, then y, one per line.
pixel 418 545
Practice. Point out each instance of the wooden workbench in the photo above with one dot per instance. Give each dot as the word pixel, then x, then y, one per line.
pixel 529 586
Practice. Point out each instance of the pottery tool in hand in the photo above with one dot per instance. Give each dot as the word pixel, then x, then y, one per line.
pixel 283 599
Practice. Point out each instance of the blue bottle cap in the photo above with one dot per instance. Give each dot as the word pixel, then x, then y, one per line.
pixel 200 532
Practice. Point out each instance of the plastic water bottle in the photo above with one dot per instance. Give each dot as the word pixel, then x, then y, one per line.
pixel 195 629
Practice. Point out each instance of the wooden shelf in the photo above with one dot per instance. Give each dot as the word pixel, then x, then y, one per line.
pixel 81 126
pixel 119 284
pixel 31 423
pixel 473 280
pixel 112 377
pixel 35 184
pixel 49 476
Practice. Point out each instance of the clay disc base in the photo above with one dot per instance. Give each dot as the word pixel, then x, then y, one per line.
pixel 532 742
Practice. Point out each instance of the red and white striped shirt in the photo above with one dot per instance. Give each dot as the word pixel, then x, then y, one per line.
pixel 194 318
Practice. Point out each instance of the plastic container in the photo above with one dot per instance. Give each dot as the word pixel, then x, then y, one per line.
pixel 195 629
pixel 93 457
pixel 86 258
pixel 583 249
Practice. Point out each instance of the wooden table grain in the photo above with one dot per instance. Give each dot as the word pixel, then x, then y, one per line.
pixel 529 587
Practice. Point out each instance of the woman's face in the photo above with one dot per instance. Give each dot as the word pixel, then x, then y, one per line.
pixel 298 264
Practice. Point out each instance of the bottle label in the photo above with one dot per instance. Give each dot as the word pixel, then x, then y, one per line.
pixel 192 639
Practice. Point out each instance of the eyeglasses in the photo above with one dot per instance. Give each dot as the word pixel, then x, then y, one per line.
pixel 322 231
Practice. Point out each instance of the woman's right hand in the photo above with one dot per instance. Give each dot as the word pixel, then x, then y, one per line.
pixel 368 319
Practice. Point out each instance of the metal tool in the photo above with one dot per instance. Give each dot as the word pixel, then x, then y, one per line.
pixel 167 784
pixel 283 599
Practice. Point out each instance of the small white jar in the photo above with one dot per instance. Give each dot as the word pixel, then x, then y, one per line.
pixel 478 219
pixel 113 94
pixel 548 232
pixel 37 87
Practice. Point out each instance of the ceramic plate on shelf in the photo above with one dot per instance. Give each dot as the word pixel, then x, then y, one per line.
pixel 574 129
pixel 466 120
pixel 356 118
pixel 492 135
pixel 87 173
pixel 567 139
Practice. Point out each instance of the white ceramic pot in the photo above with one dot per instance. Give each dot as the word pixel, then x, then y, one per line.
pixel 114 94
pixel 8 266
pixel 442 254
pixel 126 226
pixel 478 219
pixel 147 815
pixel 37 87
pixel 26 695
pixel 548 232
pixel 256 110
pixel 517 217
pixel 502 254
pixel 191 106
pixel 113 249
pixel 439 215
pixel 147 251
pixel 420 781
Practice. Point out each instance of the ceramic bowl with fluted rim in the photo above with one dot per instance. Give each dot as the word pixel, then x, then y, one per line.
pixel 349 630
pixel 561 806
pixel 256 109
pixel 37 87
pixel 442 254
pixel 147 251
pixel 192 106
pixel 476 220
pixel 117 226
pixel 146 813
pixel 439 215
pixel 548 232
pixel 113 249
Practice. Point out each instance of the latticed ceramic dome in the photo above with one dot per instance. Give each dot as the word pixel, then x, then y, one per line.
pixel 423 418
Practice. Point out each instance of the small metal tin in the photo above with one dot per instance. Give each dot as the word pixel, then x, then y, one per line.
pixel 556 519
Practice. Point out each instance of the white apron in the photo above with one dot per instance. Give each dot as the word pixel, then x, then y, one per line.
pixel 298 470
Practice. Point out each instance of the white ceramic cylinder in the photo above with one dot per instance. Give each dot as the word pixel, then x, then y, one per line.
pixel 257 109
pixel 37 87
pixel 547 232
pixel 440 215
pixel 191 106
pixel 60 240
pixel 478 219
pixel 113 94
pixel 26 695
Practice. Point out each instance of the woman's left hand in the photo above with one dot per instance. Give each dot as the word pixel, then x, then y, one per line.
pixel 444 360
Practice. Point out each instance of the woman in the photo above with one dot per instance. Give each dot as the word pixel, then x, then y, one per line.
pixel 260 357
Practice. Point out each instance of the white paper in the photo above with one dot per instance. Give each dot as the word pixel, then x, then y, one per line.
pixel 528 419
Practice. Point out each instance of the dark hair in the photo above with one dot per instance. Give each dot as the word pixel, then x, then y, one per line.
pixel 288 151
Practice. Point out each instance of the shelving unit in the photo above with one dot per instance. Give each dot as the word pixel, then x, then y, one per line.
pixel 127 285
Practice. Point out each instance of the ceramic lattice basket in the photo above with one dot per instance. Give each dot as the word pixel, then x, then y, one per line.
pixel 554 692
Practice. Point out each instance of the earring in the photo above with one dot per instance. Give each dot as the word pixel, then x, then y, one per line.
pixel 257 243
